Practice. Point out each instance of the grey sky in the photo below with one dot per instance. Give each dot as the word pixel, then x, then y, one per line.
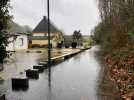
pixel 67 15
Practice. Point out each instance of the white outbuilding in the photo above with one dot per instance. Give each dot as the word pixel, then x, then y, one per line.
pixel 17 41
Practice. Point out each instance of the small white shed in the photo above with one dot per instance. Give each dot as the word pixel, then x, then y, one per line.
pixel 17 41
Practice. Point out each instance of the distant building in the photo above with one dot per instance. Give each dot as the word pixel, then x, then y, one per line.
pixel 40 33
pixel 17 41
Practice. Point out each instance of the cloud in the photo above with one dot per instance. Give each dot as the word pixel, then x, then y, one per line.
pixel 68 15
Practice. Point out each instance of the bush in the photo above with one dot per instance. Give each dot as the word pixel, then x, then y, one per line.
pixel 4 19
pixel 59 45
pixel 67 46
pixel 74 44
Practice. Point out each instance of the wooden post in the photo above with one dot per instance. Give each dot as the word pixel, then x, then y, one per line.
pixel 34 73
pixel 20 83
pixel 39 67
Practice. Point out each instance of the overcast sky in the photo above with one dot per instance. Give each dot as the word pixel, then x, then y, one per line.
pixel 67 15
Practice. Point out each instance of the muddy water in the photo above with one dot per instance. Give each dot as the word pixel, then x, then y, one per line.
pixel 74 79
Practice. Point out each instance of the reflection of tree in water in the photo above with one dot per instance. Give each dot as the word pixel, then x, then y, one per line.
pixel 3 88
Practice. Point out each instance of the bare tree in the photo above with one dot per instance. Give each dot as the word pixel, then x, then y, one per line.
pixel 117 18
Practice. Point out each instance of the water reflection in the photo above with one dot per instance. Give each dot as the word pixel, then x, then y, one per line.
pixel 49 95
pixel 49 79
pixel 49 84
pixel 74 79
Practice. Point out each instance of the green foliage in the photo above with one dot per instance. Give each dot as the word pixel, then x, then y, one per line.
pixel 86 45
pixel 88 41
pixel 98 33
pixel 27 29
pixel 4 18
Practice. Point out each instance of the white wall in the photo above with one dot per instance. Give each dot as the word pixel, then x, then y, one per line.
pixel 39 34
pixel 44 34
pixel 21 43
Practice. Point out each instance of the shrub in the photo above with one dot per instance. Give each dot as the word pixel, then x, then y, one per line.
pixel 74 44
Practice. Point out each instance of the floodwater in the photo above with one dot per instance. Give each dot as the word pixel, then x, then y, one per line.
pixel 74 79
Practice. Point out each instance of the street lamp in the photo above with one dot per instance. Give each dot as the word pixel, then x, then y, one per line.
pixel 49 44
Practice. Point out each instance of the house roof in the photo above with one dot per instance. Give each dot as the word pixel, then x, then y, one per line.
pixel 15 28
pixel 42 27
pixel 15 34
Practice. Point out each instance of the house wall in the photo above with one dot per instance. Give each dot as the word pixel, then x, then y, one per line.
pixel 54 44
pixel 21 43
pixel 39 34
pixel 39 42
pixel 44 34
pixel 43 42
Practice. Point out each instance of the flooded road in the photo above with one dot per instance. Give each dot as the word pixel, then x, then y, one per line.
pixel 74 79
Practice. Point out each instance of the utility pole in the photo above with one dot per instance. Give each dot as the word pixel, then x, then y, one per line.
pixel 49 43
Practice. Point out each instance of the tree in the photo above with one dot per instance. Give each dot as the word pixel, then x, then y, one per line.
pixel 117 21
pixel 98 33
pixel 58 39
pixel 77 37
pixel 27 29
pixel 4 18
